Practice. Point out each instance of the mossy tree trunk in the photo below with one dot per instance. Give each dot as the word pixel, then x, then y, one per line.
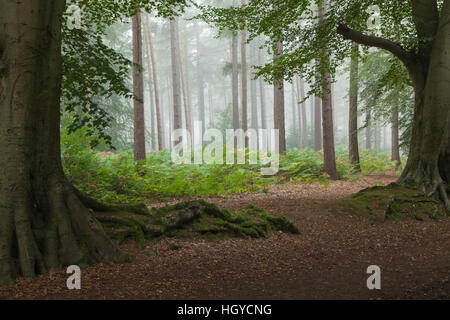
pixel 429 69
pixel 43 223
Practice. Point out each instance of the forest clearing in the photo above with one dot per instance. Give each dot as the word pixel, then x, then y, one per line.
pixel 326 261
pixel 224 150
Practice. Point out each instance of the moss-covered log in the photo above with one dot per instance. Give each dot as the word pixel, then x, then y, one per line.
pixel 195 219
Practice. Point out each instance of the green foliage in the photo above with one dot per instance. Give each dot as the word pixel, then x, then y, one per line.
pixel 386 85
pixel 307 166
pixel 116 179
pixel 95 74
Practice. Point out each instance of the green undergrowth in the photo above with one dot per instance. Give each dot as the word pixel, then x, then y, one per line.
pixel 194 219
pixel 395 201
pixel 116 179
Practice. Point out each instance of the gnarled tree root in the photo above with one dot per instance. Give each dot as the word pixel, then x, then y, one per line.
pixel 46 234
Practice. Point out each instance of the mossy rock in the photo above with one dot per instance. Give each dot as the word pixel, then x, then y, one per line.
pixel 195 219
pixel 390 202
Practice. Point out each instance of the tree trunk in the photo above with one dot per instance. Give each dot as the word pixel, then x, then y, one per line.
pixel 200 81
pixel 278 110
pixel 294 102
pixel 177 112
pixel 153 144
pixel 262 90
pixel 244 79
pixel 187 110
pixel 155 85
pixel 138 85
pixel 299 113
pixel 429 69
pixel 428 164
pixel 253 94
pixel 395 137
pixel 302 108
pixel 317 124
pixel 329 161
pixel 187 77
pixel 44 224
pixel 368 130
pixel 353 111
pixel 235 81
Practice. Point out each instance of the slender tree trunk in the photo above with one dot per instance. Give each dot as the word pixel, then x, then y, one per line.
pixel 177 112
pixel 278 110
pixel 299 113
pixel 200 81
pixel 244 78
pixel 311 121
pixel 44 223
pixel 187 110
pixel 302 106
pixel 187 73
pixel 261 62
pixel 253 94
pixel 329 162
pixel 155 85
pixel 368 130
pixel 211 107
pixel 353 111
pixel 294 102
pixel 138 85
pixel 376 133
pixel 151 93
pixel 317 124
pixel 235 81
pixel 395 137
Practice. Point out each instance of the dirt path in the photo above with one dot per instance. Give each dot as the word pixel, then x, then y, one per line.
pixel 327 261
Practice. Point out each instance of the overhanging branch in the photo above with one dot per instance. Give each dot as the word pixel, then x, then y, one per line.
pixel 373 41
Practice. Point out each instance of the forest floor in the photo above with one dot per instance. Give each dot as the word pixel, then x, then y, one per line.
pixel 328 260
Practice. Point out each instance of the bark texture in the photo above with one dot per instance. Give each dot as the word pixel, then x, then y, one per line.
pixel 176 88
pixel 44 224
pixel 278 111
pixel 353 111
pixel 138 89
pixel 329 162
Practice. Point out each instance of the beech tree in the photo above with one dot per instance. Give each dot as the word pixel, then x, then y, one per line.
pixel 45 223
pixel 416 32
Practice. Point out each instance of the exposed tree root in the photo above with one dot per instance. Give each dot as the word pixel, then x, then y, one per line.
pixel 195 219
pixel 56 231
pixel 95 205
pixel 444 196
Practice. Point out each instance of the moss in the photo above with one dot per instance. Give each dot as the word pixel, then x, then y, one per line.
pixel 390 202
pixel 195 219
